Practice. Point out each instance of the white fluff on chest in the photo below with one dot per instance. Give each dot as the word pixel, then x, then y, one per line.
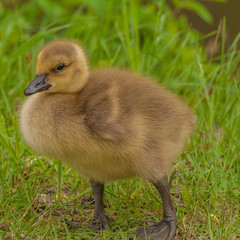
pixel 68 139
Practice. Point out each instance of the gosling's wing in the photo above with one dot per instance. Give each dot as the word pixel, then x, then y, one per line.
pixel 103 115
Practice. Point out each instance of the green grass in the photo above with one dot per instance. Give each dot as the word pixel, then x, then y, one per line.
pixel 145 38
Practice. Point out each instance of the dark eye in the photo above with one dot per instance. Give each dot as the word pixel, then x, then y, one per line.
pixel 60 67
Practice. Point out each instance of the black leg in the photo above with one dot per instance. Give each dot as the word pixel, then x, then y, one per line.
pixel 100 217
pixel 164 230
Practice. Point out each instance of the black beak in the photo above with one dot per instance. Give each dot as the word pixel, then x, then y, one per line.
pixel 37 85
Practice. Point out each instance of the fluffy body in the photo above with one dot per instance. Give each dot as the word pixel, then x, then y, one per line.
pixel 107 124
pixel 116 125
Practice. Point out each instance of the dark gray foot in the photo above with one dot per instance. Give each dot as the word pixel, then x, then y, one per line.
pixel 164 230
pixel 158 231
pixel 99 224
pixel 101 219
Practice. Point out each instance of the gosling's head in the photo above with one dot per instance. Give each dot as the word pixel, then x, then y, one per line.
pixel 61 68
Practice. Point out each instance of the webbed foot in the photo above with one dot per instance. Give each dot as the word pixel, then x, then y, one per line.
pixel 164 230
pixel 159 231
pixel 101 219
pixel 99 223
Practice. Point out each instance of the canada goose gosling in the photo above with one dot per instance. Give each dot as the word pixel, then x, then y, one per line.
pixel 107 124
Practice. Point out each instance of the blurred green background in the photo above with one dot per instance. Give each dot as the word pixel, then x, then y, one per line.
pixel 145 37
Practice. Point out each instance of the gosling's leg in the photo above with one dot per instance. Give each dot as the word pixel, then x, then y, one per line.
pixel 164 230
pixel 100 217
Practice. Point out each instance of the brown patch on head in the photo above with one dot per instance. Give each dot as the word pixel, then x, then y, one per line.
pixel 55 53
pixel 74 73
pixel 63 48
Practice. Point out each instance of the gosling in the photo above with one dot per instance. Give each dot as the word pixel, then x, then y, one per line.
pixel 108 124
